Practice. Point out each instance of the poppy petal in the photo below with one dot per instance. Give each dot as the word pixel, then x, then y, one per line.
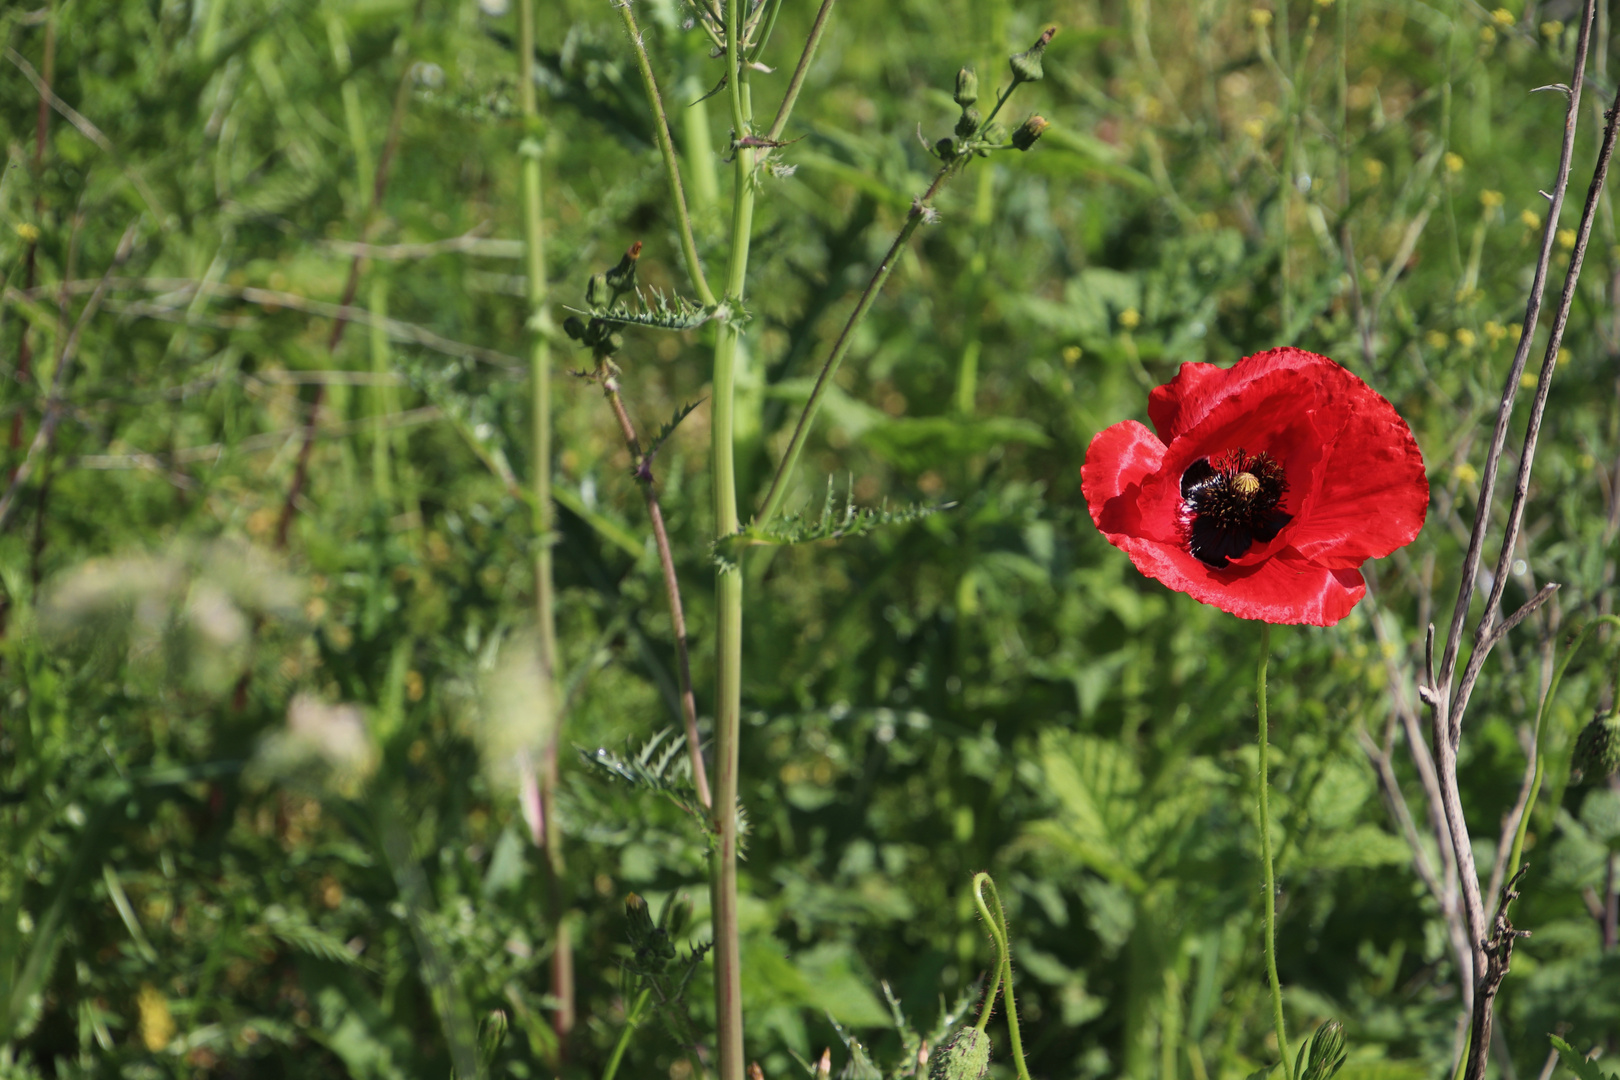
pixel 1285 588
pixel 1117 461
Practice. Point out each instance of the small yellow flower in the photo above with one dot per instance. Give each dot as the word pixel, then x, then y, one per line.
pixel 1531 219
pixel 1454 162
pixel 1502 17
pixel 157 1023
pixel 1254 127
pixel 1563 357
pixel 1487 35
pixel 1436 339
pixel 414 686
pixel 29 233
pixel 1465 338
pixel 1552 29
pixel 1466 473
pixel 1495 331
pixel 1260 17
pixel 1566 238
pixel 1072 354
pixel 1516 331
pixel 1375 169
pixel 1490 199
pixel 1586 462
pixel 1527 381
pixel 1130 318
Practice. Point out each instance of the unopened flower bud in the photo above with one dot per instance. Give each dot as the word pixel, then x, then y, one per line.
pixel 1029 131
pixel 1026 66
pixel 574 327
pixel 824 1065
pixel 755 1072
pixel 640 919
pixel 596 290
pixel 491 1034
pixel 945 149
pixel 968 123
pixel 967 87
pixel 994 134
pixel 612 343
pixel 1323 1055
pixel 1597 749
pixel 966 1056
pixel 623 276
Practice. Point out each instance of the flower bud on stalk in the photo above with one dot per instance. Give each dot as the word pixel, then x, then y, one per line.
pixel 968 123
pixel 1597 749
pixel 965 1057
pixel 1031 129
pixel 1026 66
pixel 967 87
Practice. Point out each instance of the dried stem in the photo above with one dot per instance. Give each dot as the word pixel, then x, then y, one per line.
pixel 672 586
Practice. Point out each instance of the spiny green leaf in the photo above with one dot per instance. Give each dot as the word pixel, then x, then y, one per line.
pixel 832 523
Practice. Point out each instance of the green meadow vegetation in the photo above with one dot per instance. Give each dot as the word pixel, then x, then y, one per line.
pixel 369 385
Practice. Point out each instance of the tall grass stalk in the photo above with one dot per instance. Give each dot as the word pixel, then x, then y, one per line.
pixel 539 328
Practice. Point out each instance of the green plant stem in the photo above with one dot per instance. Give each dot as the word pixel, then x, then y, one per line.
pixel 797 82
pixel 538 322
pixel 666 147
pixel 631 1019
pixel 1541 720
pixel 997 922
pixel 729 579
pixel 784 472
pixel 1265 854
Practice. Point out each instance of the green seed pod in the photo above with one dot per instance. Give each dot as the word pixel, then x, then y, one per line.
pixel 1597 750
pixel 1029 131
pixel 965 1056
pixel 968 123
pixel 574 327
pixel 967 87
pixel 1026 66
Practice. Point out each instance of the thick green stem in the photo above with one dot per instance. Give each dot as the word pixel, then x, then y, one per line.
pixel 562 963
pixel 729 581
pixel 1265 856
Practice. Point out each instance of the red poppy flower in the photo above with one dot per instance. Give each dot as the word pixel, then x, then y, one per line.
pixel 1268 484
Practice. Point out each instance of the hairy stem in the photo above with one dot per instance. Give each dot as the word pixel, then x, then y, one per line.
pixel 1264 743
pixel 538 322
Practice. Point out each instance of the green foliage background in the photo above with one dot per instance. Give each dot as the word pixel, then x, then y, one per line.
pixel 991 687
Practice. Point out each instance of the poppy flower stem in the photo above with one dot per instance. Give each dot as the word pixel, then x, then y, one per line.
pixel 1265 854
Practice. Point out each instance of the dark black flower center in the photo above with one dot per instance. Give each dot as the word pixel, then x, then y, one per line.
pixel 1230 501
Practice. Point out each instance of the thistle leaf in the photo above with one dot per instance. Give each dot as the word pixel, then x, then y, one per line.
pixel 834 522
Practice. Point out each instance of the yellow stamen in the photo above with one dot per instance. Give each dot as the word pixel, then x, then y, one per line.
pixel 1245 484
